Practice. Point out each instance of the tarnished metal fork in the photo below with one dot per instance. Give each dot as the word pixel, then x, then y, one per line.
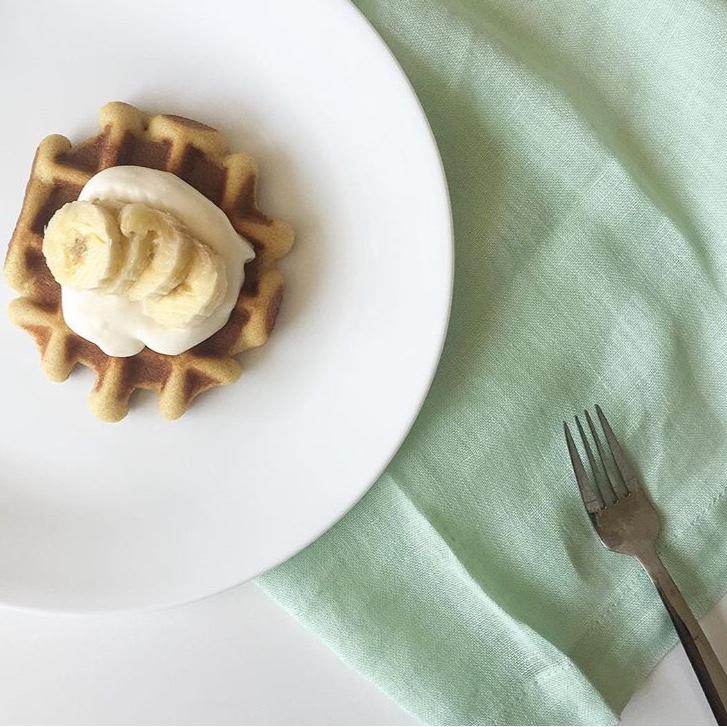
pixel 627 522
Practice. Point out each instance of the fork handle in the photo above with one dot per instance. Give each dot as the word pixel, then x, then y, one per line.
pixel 704 661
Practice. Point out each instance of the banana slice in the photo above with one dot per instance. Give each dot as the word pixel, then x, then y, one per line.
pixel 159 251
pixel 147 255
pixel 198 294
pixel 137 252
pixel 83 246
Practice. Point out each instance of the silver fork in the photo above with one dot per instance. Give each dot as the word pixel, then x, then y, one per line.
pixel 627 522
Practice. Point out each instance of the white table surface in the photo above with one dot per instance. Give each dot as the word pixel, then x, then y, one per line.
pixel 235 658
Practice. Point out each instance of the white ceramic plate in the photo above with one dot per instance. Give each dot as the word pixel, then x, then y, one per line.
pixel 147 512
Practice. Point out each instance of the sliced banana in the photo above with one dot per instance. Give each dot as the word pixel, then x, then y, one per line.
pixel 159 251
pixel 83 246
pixel 136 256
pixel 196 296
pixel 142 253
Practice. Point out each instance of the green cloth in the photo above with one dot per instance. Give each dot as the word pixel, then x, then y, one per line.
pixel 585 143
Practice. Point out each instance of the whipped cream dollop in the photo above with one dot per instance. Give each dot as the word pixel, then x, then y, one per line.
pixel 118 325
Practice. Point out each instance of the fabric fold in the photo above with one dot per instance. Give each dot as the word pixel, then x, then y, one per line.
pixel 424 628
pixel 584 148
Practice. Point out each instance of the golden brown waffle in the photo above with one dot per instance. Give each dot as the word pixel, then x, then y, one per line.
pixel 197 154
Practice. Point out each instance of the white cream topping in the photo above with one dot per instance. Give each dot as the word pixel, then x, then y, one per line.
pixel 117 325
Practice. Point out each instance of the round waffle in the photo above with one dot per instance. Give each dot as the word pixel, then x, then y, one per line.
pixel 197 154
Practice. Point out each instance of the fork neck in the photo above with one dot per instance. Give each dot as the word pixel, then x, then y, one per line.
pixel 649 559
pixel 669 592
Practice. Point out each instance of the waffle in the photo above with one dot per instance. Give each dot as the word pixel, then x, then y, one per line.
pixel 197 154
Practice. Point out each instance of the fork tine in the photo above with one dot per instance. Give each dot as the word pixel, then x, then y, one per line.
pixel 605 491
pixel 609 484
pixel 627 472
pixel 591 498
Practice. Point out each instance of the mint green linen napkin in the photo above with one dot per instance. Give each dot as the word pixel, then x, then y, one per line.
pixel 586 149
